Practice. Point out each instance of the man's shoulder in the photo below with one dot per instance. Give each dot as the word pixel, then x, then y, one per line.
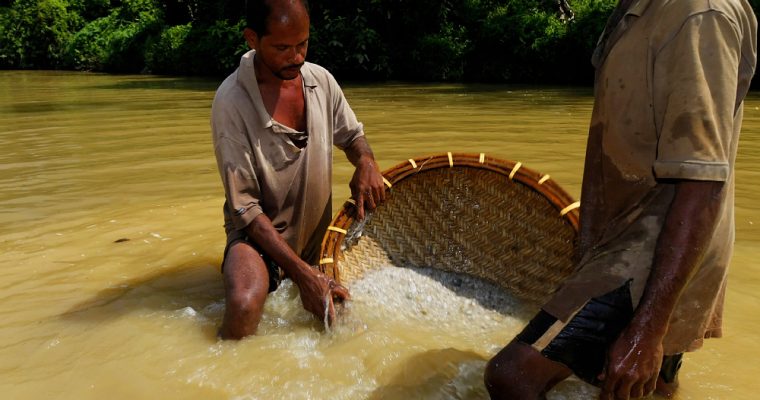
pixel 316 69
pixel 229 91
pixel 317 75
pixel 673 15
pixel 735 10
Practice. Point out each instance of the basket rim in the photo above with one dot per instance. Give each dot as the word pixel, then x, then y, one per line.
pixel 566 206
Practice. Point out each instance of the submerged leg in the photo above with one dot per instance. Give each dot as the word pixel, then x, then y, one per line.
pixel 246 284
pixel 519 371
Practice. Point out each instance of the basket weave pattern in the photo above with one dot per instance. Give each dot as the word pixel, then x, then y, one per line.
pixel 469 217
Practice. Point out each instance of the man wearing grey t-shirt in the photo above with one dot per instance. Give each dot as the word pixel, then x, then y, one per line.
pixel 274 122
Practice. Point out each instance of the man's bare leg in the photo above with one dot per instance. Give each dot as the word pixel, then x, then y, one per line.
pixel 246 284
pixel 520 372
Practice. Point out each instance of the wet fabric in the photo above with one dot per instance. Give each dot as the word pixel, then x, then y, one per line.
pixel 581 344
pixel 264 171
pixel 671 78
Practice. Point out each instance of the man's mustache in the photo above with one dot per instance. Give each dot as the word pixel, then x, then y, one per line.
pixel 293 66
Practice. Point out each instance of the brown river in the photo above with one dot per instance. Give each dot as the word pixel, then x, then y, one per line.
pixel 88 161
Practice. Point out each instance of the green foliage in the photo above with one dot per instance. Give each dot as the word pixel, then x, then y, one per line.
pixel 348 46
pixel 88 48
pixel 164 54
pixel 213 49
pixel 438 40
pixel 115 42
pixel 33 32
pixel 91 9
pixel 520 41
pixel 442 55
pixel 434 40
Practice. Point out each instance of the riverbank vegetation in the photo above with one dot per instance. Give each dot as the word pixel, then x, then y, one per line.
pixel 518 41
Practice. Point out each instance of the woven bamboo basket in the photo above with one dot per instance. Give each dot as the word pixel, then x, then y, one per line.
pixel 465 213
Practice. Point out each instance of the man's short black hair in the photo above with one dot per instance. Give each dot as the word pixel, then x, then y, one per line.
pixel 257 14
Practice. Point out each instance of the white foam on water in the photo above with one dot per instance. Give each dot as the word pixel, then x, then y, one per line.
pixel 405 332
pixel 187 312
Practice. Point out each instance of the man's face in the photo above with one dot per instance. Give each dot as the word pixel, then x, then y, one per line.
pixel 282 51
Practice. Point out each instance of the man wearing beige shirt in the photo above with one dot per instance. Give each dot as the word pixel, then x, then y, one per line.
pixel 274 122
pixel 657 223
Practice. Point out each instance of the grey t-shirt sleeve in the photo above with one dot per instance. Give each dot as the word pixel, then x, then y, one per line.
pixel 697 72
pixel 235 162
pixel 346 128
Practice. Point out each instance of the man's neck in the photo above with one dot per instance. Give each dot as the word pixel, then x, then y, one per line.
pixel 264 76
pixel 283 99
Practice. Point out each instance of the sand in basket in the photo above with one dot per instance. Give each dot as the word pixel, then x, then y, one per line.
pixel 463 213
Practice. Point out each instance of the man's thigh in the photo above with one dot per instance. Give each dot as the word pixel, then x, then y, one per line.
pixel 245 258
pixel 245 272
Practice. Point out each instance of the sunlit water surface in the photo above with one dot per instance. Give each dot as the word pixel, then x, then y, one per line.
pixel 87 160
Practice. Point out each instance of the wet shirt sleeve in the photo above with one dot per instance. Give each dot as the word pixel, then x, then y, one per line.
pixel 235 163
pixel 346 128
pixel 695 81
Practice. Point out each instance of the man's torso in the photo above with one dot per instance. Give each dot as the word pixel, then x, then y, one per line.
pixel 265 170
pixel 645 131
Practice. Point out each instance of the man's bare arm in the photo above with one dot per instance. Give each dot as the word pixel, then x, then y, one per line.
pixel 312 284
pixel 635 357
pixel 367 187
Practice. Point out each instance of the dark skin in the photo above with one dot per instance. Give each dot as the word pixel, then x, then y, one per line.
pixel 520 372
pixel 634 359
pixel 280 53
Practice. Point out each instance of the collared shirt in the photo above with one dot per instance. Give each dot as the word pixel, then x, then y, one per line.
pixel 671 79
pixel 261 168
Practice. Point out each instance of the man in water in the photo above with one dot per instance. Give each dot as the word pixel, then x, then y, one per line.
pixel 657 216
pixel 274 121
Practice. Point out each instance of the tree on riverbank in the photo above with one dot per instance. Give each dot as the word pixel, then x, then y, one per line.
pixel 525 41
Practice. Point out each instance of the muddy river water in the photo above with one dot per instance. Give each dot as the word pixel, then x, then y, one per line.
pixel 89 159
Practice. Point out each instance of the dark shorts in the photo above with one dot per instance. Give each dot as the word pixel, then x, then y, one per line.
pixel 581 344
pixel 276 273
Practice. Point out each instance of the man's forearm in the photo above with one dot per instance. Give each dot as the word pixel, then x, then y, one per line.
pixel 359 151
pixel 688 227
pixel 263 233
pixel 317 291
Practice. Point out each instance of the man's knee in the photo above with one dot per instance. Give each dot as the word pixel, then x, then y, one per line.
pixel 246 284
pixel 244 307
pixel 519 371
pixel 246 289
pixel 502 374
pixel 245 302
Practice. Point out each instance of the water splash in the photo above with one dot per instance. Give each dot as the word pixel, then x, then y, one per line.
pixel 327 311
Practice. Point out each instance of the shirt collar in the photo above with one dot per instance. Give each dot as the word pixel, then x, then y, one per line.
pixel 309 80
pixel 247 79
pixel 613 33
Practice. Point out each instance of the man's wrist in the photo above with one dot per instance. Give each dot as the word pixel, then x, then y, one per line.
pixel 650 321
pixel 365 160
pixel 300 271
